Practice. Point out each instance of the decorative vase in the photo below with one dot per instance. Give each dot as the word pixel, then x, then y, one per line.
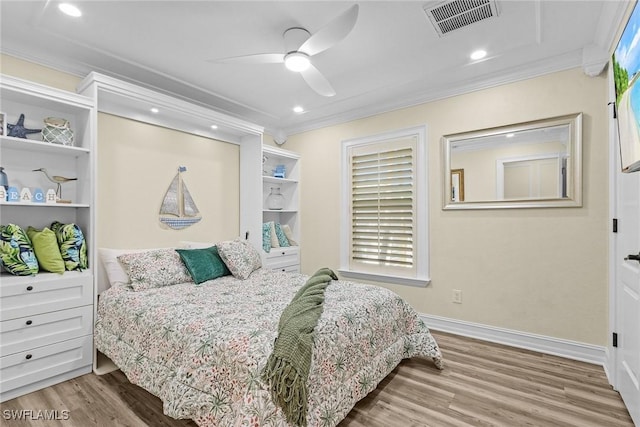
pixel 275 200
pixel 4 181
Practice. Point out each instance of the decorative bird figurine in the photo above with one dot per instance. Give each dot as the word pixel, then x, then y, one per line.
pixel 18 130
pixel 58 180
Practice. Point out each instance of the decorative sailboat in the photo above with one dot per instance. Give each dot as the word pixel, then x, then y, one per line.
pixel 178 209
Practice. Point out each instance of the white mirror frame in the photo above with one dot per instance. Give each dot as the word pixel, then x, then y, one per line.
pixel 575 158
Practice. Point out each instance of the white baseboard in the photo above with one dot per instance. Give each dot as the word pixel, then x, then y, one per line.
pixel 558 347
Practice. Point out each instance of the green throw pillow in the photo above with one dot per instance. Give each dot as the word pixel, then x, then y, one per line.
pixel 45 245
pixel 72 244
pixel 266 237
pixel 203 264
pixel 16 252
pixel 282 238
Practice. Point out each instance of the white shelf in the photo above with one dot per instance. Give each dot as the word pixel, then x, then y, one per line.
pixel 284 259
pixel 29 145
pixel 280 210
pixel 45 205
pixel 51 296
pixel 274 180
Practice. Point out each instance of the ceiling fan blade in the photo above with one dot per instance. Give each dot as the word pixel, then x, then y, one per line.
pixel 259 58
pixel 331 33
pixel 317 81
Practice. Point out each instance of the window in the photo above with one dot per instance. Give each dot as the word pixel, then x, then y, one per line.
pixel 384 204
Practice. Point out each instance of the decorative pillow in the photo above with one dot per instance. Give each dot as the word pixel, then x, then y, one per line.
pixel 72 244
pixel 240 256
pixel 203 264
pixel 16 252
pixel 287 232
pixel 266 237
pixel 154 269
pixel 45 246
pixel 282 239
pixel 275 243
pixel 115 271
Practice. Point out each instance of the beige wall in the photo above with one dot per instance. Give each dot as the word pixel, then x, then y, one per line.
pixel 136 163
pixel 541 271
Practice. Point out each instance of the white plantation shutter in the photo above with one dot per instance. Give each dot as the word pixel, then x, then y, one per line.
pixel 383 207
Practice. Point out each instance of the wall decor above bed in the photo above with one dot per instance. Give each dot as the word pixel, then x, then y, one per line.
pixel 178 209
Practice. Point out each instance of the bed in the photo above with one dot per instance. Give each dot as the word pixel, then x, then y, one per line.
pixel 202 348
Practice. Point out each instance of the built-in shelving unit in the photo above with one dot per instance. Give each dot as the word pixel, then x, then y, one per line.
pixel 46 333
pixel 284 258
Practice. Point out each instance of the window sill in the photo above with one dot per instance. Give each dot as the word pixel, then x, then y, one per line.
pixel 407 281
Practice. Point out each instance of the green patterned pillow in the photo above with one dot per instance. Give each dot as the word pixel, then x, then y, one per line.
pixel 266 237
pixel 45 246
pixel 16 252
pixel 203 264
pixel 73 246
pixel 282 238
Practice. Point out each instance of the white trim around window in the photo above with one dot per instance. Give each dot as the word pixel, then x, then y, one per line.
pixel 415 254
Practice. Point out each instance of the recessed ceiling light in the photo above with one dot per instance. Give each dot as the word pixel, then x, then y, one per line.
pixel 478 54
pixel 69 9
pixel 510 135
pixel 155 110
pixel 298 109
pixel 214 126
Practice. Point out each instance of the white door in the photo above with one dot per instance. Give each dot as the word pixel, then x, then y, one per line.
pixel 627 293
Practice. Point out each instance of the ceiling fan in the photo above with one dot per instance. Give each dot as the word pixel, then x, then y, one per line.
pixel 300 46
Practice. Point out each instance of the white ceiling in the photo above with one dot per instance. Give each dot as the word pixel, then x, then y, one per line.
pixel 392 58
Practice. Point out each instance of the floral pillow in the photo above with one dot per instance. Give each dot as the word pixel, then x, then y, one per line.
pixel 240 257
pixel 154 269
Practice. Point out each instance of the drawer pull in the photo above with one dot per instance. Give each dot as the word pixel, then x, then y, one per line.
pixel 29 288
pixel 284 253
pixel 28 356
pixel 29 322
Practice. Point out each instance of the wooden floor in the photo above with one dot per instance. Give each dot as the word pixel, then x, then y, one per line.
pixel 483 384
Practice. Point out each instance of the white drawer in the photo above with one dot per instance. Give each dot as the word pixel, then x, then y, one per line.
pixel 295 268
pixel 43 329
pixel 27 296
pixel 281 257
pixel 38 364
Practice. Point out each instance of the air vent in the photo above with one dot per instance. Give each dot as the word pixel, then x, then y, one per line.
pixel 455 14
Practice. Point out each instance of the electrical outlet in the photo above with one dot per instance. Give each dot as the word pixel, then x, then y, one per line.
pixel 457 296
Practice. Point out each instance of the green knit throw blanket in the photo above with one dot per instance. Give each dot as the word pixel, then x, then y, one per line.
pixel 288 365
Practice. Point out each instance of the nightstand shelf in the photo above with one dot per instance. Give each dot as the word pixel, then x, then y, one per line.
pixel 289 187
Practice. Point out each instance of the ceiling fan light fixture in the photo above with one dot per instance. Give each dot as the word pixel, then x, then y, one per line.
pixel 297 61
pixel 478 54
pixel 69 9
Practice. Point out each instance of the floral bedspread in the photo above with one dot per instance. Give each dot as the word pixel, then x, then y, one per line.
pixel 201 348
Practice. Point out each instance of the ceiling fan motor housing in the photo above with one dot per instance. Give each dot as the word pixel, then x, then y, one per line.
pixel 294 37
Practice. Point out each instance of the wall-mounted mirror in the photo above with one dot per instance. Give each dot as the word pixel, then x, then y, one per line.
pixel 527 165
